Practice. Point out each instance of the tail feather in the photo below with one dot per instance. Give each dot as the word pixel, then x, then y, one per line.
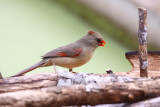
pixel 29 69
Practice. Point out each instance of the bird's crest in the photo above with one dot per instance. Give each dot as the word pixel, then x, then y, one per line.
pixel 91 32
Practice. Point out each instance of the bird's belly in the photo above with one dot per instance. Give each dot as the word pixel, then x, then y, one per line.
pixel 69 62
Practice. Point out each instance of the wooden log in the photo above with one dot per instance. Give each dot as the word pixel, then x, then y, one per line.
pixel 142 38
pixel 61 78
pixel 35 81
pixel 47 89
pixel 71 95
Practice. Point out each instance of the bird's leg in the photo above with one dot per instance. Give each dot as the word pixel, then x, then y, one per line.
pixel 70 70
pixel 54 66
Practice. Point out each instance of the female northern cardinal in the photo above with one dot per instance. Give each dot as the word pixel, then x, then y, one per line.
pixel 72 55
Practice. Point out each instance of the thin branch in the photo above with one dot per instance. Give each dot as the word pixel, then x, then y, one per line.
pixel 142 38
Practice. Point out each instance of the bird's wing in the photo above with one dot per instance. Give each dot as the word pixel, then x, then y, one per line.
pixel 63 52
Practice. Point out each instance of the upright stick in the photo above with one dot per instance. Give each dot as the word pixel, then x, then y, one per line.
pixel 142 38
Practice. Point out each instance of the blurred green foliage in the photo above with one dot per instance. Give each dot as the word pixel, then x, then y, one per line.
pixel 31 28
pixel 100 22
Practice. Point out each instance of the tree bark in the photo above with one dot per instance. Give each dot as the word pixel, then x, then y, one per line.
pixel 142 38
pixel 47 89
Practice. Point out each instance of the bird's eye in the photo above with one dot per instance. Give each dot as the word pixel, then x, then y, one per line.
pixel 99 40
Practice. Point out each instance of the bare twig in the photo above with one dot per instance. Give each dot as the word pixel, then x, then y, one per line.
pixel 142 38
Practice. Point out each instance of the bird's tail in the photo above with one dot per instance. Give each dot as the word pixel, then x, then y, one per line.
pixel 29 69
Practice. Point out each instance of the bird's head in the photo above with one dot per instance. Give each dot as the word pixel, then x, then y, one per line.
pixel 92 40
pixel 96 38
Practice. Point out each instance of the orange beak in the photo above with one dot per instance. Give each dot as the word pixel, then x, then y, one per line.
pixel 102 43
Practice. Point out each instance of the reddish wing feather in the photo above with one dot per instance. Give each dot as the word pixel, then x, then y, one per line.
pixel 70 52
pixel 67 52
pixel 61 54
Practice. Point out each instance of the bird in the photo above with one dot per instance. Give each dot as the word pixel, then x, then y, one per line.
pixel 72 55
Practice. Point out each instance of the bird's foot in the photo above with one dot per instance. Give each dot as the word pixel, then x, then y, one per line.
pixel 70 70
